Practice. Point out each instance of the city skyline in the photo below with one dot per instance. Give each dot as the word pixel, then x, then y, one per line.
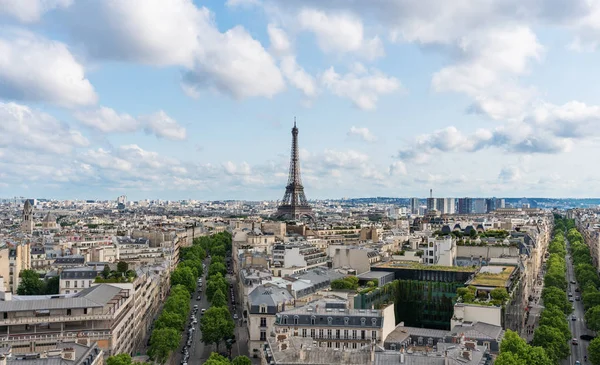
pixel 391 99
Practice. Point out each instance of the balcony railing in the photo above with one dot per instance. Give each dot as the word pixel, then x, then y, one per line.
pixel 54 319
pixel 96 335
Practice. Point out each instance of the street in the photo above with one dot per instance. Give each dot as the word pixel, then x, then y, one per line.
pixel 578 326
pixel 199 352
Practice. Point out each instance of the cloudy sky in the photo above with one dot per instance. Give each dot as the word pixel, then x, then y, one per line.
pixel 179 99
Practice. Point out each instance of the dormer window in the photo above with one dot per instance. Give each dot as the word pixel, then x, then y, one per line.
pixel 374 321
pixel 363 321
pixel 295 319
pixel 329 320
pixel 346 320
pixel 313 320
pixel 285 319
pixel 263 308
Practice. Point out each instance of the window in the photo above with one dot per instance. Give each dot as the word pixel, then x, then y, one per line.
pixel 393 347
pixel 263 321
pixel 329 334
pixel 295 319
pixel 346 320
pixel 263 308
pixel 285 318
pixel 362 321
pixel 354 345
pixel 313 320
pixel 329 344
pixel 75 283
pixel 304 332
pixel 68 292
pixel 82 284
pixel 337 334
pixel 354 334
pixel 263 335
pixel 363 335
pixel 374 335
pixel 346 334
pixel 329 320
pixel 68 312
pixel 312 333
pixel 84 310
pixel 374 321
pixel 321 333
pixel 67 284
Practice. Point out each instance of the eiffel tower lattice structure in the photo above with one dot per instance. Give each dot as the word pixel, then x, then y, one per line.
pixel 294 204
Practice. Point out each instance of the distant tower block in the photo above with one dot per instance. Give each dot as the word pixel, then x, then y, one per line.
pixel 294 204
pixel 27 224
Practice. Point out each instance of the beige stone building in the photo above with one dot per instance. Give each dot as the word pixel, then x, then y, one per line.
pixel 15 256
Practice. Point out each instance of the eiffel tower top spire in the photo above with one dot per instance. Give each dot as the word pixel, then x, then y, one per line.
pixel 294 204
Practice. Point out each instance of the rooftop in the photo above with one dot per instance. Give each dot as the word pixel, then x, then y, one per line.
pixel 495 276
pixel 411 265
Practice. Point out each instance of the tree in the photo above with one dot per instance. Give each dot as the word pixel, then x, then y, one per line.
pixel 195 265
pixel 591 299
pixel 554 317
pixel 120 359
pixel 512 342
pixel 509 358
pixel 52 285
pixel 178 304
pixel 170 320
pixel 162 342
pixel 515 351
pixel 216 359
pixel 553 341
pixel 122 266
pixel 30 283
pixel 592 318
pixel 214 283
pixel 594 351
pixel 218 299
pixel 106 271
pixel 217 267
pixel 554 296
pixel 184 276
pixel 241 360
pixel 499 295
pixel 216 325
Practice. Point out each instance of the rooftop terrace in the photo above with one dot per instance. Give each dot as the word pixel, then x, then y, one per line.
pixel 496 276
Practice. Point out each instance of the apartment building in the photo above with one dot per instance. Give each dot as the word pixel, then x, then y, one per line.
pixel 74 280
pixel 333 325
pixel 263 304
pixel 15 256
pixel 355 257
pixel 440 251
pixel 67 353
pixel 294 258
pixel 103 313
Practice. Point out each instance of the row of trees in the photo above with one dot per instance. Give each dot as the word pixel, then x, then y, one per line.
pixel 31 284
pixel 588 280
pixel 217 324
pixel 552 335
pixel 347 283
pixel 166 334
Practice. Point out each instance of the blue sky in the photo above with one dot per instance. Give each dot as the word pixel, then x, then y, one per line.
pixel 179 99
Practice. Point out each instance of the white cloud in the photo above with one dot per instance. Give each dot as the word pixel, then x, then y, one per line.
pixel 23 128
pixel 343 159
pixel 363 133
pixel 280 43
pixel 487 59
pixel 363 88
pixel 107 120
pixel 231 62
pixel 510 174
pixel 161 125
pixel 236 3
pixel 29 11
pixel 397 168
pixel 340 32
pixel 298 77
pixel 36 69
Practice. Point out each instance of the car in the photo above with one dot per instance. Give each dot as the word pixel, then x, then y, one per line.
pixel 577 290
pixel 577 298
pixel 574 341
pixel 577 362
pixel 587 337
pixel 235 316
pixel 573 318
pixel 195 306
pixel 573 282
pixel 195 322
pixel 571 300
pixel 203 311
pixel 231 285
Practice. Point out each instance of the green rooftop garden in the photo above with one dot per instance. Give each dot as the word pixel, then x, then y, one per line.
pixel 493 279
pixel 399 264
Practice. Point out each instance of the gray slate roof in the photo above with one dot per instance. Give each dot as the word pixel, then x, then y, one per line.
pixel 268 295
pixel 93 297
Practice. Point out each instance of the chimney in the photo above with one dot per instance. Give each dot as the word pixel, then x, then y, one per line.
pixel 68 353
pixel 467 355
pixel 302 354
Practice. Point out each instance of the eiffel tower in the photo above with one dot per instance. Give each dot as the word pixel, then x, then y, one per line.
pixel 294 204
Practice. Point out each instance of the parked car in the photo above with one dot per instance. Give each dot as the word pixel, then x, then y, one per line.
pixel 203 311
pixel 587 337
pixel 235 316
pixel 199 298
pixel 573 318
pixel 574 341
